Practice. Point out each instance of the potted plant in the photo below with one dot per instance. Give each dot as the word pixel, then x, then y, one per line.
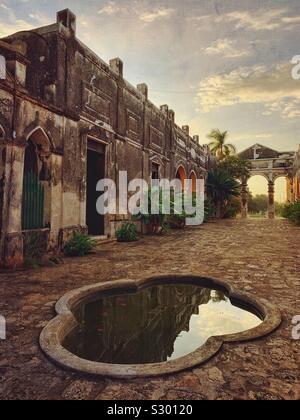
pixel 153 223
pixel 127 233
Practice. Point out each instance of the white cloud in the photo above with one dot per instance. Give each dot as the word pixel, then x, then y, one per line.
pixel 227 48
pixel 248 136
pixel 11 28
pixel 293 20
pixel 273 88
pixel 3 6
pixel 10 24
pixel 109 9
pixel 258 20
pixel 151 16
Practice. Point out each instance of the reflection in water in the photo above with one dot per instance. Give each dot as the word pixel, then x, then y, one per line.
pixel 156 324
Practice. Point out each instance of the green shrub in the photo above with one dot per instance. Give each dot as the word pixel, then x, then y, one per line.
pixel 79 245
pixel 292 212
pixel 127 233
pixel 232 209
pixel 286 210
pixel 209 210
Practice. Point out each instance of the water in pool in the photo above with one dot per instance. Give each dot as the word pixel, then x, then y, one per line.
pixel 156 324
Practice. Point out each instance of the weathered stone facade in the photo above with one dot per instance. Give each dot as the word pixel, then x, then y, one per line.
pixel 61 102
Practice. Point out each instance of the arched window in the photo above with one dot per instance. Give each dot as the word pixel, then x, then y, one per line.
pixel 193 178
pixel 36 182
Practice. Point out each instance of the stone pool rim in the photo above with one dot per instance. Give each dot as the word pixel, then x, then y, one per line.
pixel 54 334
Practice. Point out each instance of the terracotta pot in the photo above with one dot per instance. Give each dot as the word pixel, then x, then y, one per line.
pixel 153 229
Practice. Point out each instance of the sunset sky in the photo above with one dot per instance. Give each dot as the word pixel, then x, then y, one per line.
pixel 219 64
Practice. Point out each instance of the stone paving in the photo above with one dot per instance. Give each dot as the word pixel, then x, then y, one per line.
pixel 260 256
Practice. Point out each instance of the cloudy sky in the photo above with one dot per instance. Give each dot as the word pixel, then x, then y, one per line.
pixel 217 63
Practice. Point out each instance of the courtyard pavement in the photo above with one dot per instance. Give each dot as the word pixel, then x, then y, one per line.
pixel 261 257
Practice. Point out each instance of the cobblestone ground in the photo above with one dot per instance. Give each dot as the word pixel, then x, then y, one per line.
pixel 260 256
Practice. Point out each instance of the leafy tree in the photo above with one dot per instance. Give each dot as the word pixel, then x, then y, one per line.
pixel 236 167
pixel 258 203
pixel 218 145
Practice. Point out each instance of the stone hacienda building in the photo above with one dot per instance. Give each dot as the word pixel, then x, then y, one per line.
pixel 68 119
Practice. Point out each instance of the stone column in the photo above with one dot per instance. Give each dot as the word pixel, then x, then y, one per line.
pixel 292 192
pixel 54 205
pixel 271 207
pixel 289 190
pixel 12 207
pixel 244 199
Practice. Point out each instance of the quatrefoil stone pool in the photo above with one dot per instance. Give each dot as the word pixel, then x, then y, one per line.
pixel 152 327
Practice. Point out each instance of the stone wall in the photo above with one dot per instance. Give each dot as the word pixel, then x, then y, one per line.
pixel 59 95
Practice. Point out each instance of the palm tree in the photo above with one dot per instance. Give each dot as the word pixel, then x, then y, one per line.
pixel 221 187
pixel 218 145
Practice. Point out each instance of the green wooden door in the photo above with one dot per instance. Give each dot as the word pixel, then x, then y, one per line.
pixel 33 203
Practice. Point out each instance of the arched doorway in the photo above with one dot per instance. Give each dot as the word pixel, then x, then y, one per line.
pixel 36 197
pixel 258 197
pixel 181 174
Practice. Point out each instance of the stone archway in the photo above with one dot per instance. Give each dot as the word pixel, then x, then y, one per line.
pixel 271 165
pixel 193 178
pixel 258 186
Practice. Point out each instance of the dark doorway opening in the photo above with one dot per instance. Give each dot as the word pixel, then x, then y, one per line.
pixel 95 172
pixel 155 171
